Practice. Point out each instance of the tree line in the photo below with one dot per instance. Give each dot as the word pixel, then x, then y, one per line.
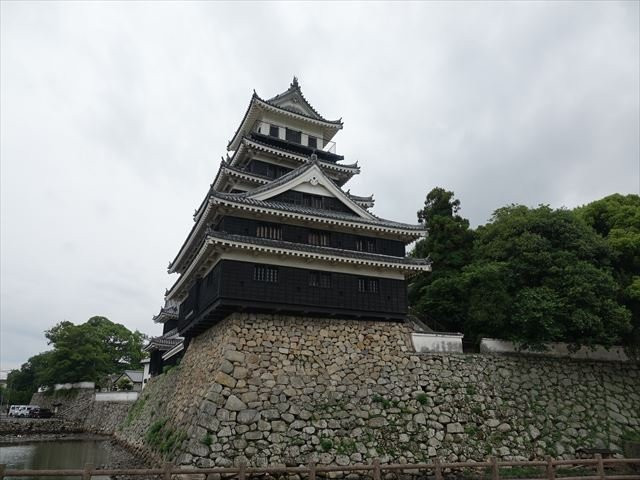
pixel 90 352
pixel 533 275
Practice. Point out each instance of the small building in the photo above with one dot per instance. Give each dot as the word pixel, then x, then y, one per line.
pixel 134 376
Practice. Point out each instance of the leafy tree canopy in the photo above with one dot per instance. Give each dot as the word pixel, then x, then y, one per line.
pixel 540 275
pixel 85 352
pixel 617 219
pixel 449 244
pixel 92 350
pixel 532 275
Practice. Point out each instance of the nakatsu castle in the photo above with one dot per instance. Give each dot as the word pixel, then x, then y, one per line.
pixel 278 232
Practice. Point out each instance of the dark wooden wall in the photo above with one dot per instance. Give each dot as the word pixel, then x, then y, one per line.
pixel 233 282
pixel 296 234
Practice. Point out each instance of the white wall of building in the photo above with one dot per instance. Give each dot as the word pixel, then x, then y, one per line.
pixel 437 342
pixel 116 396
pixel 614 354
pixel 69 386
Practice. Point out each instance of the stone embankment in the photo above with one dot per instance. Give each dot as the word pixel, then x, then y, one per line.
pixel 37 426
pixel 75 411
pixel 263 389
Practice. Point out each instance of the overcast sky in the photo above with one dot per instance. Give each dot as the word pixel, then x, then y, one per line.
pixel 114 117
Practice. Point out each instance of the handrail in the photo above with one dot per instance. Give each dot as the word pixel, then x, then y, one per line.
pixel 376 469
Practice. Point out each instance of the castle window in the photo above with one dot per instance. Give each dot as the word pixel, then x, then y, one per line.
pixel 368 285
pixel 265 273
pixel 313 142
pixel 293 136
pixel 365 245
pixel 313 201
pixel 274 131
pixel 320 279
pixel 318 238
pixel 271 171
pixel 267 230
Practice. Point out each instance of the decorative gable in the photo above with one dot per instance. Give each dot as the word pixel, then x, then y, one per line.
pixel 293 100
pixel 309 179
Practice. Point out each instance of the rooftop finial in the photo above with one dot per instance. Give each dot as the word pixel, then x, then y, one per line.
pixel 295 82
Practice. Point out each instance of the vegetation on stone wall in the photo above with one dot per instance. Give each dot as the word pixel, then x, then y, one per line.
pixel 164 438
pixel 533 275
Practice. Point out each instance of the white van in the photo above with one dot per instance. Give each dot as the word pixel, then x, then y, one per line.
pixel 14 409
pixel 21 410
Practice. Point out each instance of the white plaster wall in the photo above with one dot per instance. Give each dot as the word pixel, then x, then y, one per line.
pixel 437 342
pixel 614 354
pixel 116 396
pixel 69 386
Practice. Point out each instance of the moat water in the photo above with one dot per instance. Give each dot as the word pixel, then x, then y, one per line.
pixel 61 454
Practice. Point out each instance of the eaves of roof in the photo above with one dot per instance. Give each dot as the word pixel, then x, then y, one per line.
pixel 257 102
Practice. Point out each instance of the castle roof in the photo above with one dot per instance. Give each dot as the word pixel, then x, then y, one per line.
pixel 217 242
pixel 282 104
pixel 260 201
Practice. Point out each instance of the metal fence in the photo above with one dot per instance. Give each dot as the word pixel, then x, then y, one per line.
pixel 624 469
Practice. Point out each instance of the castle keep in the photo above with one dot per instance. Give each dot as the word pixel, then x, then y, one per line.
pixel 278 233
pixel 288 314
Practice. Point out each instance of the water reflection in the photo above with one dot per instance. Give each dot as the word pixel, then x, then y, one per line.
pixel 60 454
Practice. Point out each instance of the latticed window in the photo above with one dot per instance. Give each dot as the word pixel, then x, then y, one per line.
pixel 365 245
pixel 319 238
pixel 294 136
pixel 267 230
pixel 313 142
pixel 274 131
pixel 314 201
pixel 368 285
pixel 320 279
pixel 265 273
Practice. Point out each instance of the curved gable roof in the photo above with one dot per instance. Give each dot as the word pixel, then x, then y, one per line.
pixel 282 104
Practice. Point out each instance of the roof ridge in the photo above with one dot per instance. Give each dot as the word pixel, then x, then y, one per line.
pixel 295 87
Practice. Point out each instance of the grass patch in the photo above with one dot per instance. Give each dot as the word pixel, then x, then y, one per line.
pixel 381 400
pixel 346 446
pixel 163 438
pixel 207 440
pixel 422 398
pixel 326 444
pixel 135 411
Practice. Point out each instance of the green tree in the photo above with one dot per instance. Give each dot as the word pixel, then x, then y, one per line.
pixel 24 382
pixel 91 351
pixel 124 384
pixel 440 295
pixel 541 275
pixel 617 219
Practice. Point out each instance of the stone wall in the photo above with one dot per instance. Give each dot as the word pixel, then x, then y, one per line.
pixel 104 417
pixel 69 404
pixel 262 389
pixel 78 410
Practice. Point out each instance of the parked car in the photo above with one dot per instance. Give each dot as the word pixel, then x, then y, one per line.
pixel 25 410
pixel 40 413
pixel 13 410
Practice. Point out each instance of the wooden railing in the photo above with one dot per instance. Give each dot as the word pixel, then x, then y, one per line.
pixel 492 469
